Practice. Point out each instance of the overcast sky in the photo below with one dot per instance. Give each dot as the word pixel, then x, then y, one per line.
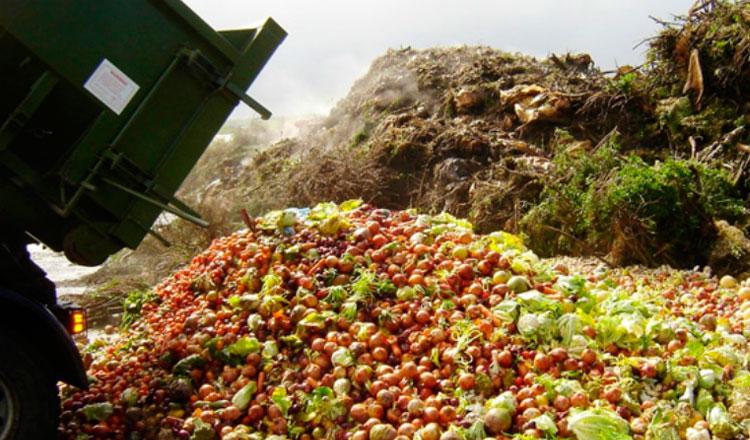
pixel 333 42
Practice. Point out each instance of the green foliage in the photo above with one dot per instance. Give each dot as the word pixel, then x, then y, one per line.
pixel 360 136
pixel 598 424
pixel 132 305
pixel 603 199
pixel 569 199
pixel 97 411
pixel 715 119
pixel 671 112
pixel 625 82
pixel 661 195
pixel 677 117
pixel 363 133
pixel 322 405
pixel 242 397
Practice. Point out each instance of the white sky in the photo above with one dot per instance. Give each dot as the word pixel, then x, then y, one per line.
pixel 333 42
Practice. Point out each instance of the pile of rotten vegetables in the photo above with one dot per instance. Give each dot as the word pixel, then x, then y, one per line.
pixel 350 322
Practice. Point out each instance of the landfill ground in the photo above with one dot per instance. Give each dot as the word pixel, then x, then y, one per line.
pixel 370 263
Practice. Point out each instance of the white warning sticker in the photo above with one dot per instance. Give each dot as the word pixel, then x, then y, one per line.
pixel 111 86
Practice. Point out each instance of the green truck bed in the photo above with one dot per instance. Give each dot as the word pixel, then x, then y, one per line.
pixel 105 107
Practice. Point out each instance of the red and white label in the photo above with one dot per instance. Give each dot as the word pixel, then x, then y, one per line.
pixel 111 86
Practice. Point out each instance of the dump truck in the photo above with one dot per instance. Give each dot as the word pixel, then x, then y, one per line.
pixel 105 108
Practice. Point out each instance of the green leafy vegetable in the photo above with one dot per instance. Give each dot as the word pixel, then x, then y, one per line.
pixel 98 411
pixel 292 341
pixel 350 205
pixel 281 400
pixel 234 301
pixel 184 366
pixel 202 431
pixel 535 301
pixel 662 426
pixel 506 401
pixel 328 218
pixel 474 432
pixel 322 404
pixel 132 305
pixel 129 397
pixel 723 356
pixel 243 347
pixel 720 423
pixel 349 311
pixel 537 326
pixel 599 424
pixel 278 220
pixel 243 397
pixel 704 402
pixel 270 349
pixel 270 283
pixel 545 424
pixel 342 357
pixel 316 320
pixel 336 296
pixel 569 325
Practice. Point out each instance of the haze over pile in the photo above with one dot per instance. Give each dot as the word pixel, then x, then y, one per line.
pixel 332 42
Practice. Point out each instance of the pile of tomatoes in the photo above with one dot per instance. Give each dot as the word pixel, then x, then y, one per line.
pixel 350 322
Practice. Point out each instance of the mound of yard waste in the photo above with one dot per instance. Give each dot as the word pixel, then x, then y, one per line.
pixel 350 322
pixel 637 164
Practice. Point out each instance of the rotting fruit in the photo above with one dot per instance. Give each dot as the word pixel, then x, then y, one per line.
pixel 351 322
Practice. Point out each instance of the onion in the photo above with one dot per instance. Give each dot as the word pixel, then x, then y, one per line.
pixel 342 357
pixel 342 386
pixel 383 431
pixel 497 420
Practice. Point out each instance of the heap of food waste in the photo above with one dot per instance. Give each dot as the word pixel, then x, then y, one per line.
pixel 351 322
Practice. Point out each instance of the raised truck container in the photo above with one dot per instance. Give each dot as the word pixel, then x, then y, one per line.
pixel 105 106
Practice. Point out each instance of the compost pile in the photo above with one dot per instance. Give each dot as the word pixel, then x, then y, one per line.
pixel 351 322
pixel 644 165
pixel 460 129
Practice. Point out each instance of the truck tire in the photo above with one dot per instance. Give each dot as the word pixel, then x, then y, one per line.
pixel 29 400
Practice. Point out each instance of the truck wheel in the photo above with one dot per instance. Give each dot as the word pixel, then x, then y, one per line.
pixel 29 401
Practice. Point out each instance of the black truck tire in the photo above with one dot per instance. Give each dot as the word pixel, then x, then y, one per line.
pixel 29 400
